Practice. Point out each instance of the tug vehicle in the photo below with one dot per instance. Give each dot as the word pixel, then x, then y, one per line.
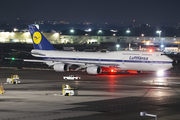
pixel 13 80
pixel 68 91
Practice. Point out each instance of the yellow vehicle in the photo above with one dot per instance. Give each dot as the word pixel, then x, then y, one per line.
pixel 13 80
pixel 68 91
pixel 2 91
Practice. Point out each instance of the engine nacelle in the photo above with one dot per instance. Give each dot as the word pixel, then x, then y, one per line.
pixel 60 67
pixel 94 70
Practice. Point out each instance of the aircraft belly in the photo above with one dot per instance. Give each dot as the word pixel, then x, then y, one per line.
pixel 147 66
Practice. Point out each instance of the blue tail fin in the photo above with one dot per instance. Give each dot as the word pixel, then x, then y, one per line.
pixel 39 41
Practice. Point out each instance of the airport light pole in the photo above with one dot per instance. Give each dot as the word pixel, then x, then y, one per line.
pixel 72 31
pixel 117 47
pixel 159 32
pixel 128 31
pixel 99 31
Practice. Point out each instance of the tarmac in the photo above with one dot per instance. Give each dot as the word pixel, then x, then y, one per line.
pixel 115 97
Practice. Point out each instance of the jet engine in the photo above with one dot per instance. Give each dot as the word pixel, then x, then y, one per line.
pixel 94 70
pixel 60 67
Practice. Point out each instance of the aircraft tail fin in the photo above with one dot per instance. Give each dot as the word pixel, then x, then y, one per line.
pixel 39 40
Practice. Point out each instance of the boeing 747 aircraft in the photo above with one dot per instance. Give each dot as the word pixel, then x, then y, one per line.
pixel 93 62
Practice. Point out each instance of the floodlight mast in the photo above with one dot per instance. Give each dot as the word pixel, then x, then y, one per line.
pixel 117 47
pixel 159 32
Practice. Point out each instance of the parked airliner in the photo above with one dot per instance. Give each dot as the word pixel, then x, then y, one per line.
pixel 93 61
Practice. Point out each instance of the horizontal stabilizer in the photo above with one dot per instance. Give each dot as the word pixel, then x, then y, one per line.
pixel 28 52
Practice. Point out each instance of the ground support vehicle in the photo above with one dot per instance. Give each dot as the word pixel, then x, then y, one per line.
pixel 68 91
pixel 71 77
pixel 2 91
pixel 13 80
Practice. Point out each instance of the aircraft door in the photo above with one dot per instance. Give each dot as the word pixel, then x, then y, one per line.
pixel 99 60
pixel 160 64
pixel 77 57
pixel 123 61
pixel 151 62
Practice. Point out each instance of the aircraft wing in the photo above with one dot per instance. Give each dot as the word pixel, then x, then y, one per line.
pixel 30 60
pixel 73 63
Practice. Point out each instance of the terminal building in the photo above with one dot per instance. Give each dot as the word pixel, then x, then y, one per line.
pixel 165 43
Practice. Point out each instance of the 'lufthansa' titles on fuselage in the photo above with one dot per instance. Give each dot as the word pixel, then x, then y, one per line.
pixel 138 58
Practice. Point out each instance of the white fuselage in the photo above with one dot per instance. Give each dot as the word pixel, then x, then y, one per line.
pixel 126 60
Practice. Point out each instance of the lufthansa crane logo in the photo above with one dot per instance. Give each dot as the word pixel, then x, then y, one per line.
pixel 37 37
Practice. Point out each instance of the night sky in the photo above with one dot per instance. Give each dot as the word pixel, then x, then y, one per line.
pixel 101 11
